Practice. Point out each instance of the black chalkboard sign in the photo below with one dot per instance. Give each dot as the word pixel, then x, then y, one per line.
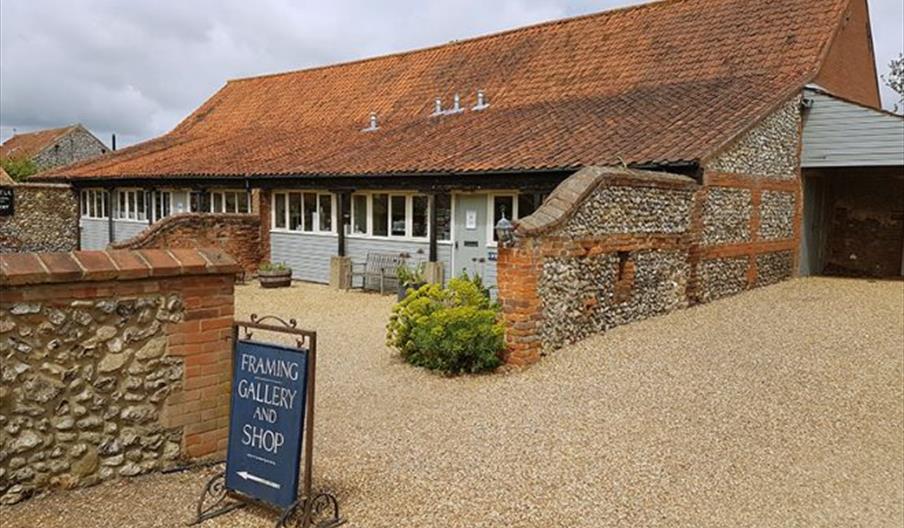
pixel 7 201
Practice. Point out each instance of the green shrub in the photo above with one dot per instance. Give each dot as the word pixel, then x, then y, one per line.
pixel 454 329
pixel 19 169
pixel 271 266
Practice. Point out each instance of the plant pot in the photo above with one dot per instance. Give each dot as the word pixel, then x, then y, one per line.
pixel 275 278
pixel 403 290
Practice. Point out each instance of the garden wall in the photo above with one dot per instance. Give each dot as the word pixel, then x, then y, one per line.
pixel 114 364
pixel 45 219
pixel 614 245
pixel 239 235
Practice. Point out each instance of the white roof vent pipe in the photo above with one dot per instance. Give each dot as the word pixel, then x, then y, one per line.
pixel 482 102
pixel 438 107
pixel 456 105
pixel 373 123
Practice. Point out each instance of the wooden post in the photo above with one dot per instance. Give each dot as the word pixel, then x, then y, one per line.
pixel 340 219
pixel 431 206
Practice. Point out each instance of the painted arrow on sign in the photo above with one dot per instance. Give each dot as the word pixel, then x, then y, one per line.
pixel 260 480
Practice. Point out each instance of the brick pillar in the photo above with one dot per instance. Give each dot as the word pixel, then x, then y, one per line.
pixel 517 274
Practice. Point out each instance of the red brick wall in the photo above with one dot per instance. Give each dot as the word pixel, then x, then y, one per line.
pixel 203 282
pixel 849 68
pixel 239 235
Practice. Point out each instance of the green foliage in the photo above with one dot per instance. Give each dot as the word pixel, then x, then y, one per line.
pixel 19 169
pixel 455 330
pixel 409 276
pixel 270 266
pixel 895 80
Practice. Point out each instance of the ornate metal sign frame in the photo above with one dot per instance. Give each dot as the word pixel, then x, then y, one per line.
pixel 319 510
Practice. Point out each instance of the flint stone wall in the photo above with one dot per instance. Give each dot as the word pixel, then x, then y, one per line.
pixel 773 267
pixel 45 219
pixel 726 215
pixel 776 215
pixel 107 360
pixel 77 145
pixel 768 150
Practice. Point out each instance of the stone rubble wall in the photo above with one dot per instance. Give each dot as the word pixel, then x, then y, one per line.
pixel 777 215
pixel 239 235
pixel 726 215
pixel 113 364
pixel 45 219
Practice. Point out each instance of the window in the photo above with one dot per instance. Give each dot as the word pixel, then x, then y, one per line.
pixel 94 203
pixel 279 210
pixel 419 216
pixel 390 215
pixel 379 213
pixel 229 202
pixel 359 214
pixel 296 211
pixel 528 203
pixel 163 202
pixel 325 213
pixel 397 209
pixel 503 205
pixel 309 203
pixel 130 205
pixel 443 204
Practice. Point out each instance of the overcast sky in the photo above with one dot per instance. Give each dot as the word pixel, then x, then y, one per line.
pixel 138 67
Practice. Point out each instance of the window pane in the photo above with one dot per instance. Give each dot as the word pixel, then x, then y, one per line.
pixel 92 204
pixel 379 215
pixel 230 202
pixel 502 206
pixel 105 203
pixel 120 204
pixel 443 205
pixel 167 199
pixel 139 205
pixel 419 216
pixel 359 213
pixel 217 202
pixel 131 197
pixel 326 212
pixel 295 211
pixel 528 203
pixel 310 207
pixel 398 216
pixel 280 211
pixel 84 203
pixel 243 202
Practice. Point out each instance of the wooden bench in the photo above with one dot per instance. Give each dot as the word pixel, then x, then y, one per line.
pixel 377 268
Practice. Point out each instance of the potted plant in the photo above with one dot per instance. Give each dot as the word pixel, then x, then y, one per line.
pixel 409 278
pixel 276 275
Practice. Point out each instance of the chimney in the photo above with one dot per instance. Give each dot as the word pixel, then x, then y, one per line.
pixel 113 141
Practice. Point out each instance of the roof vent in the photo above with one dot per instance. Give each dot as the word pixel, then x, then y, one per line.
pixel 438 107
pixel 456 105
pixel 481 101
pixel 373 123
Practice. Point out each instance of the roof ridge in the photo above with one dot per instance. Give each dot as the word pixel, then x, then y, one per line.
pixel 458 42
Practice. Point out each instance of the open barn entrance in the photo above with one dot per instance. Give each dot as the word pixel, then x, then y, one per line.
pixel 853 222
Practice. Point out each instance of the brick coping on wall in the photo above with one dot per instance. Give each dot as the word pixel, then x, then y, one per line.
pixel 179 218
pixel 565 198
pixel 18 269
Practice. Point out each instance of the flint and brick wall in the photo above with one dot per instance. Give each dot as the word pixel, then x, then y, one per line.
pixel 613 245
pixel 76 145
pixel 239 235
pixel 750 209
pixel 114 363
pixel 45 219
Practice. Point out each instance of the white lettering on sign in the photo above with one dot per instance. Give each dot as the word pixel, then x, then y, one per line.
pixel 259 438
pixel 276 368
pixel 265 393
pixel 267 390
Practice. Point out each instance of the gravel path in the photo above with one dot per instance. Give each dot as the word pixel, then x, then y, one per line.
pixel 780 407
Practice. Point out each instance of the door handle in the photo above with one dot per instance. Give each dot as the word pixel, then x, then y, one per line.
pixel 456 244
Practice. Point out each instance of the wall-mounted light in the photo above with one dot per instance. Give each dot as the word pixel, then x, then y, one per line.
pixel 505 231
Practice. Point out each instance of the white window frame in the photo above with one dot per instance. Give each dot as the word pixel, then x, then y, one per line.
pixel 223 193
pixel 88 201
pixel 126 193
pixel 409 216
pixel 315 217
pixel 158 197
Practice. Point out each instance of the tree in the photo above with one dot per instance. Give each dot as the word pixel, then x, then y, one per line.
pixel 19 169
pixel 895 79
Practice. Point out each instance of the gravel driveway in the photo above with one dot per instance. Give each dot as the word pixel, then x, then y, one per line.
pixel 780 407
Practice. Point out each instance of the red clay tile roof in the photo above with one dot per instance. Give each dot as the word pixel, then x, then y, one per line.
pixel 28 145
pixel 667 81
